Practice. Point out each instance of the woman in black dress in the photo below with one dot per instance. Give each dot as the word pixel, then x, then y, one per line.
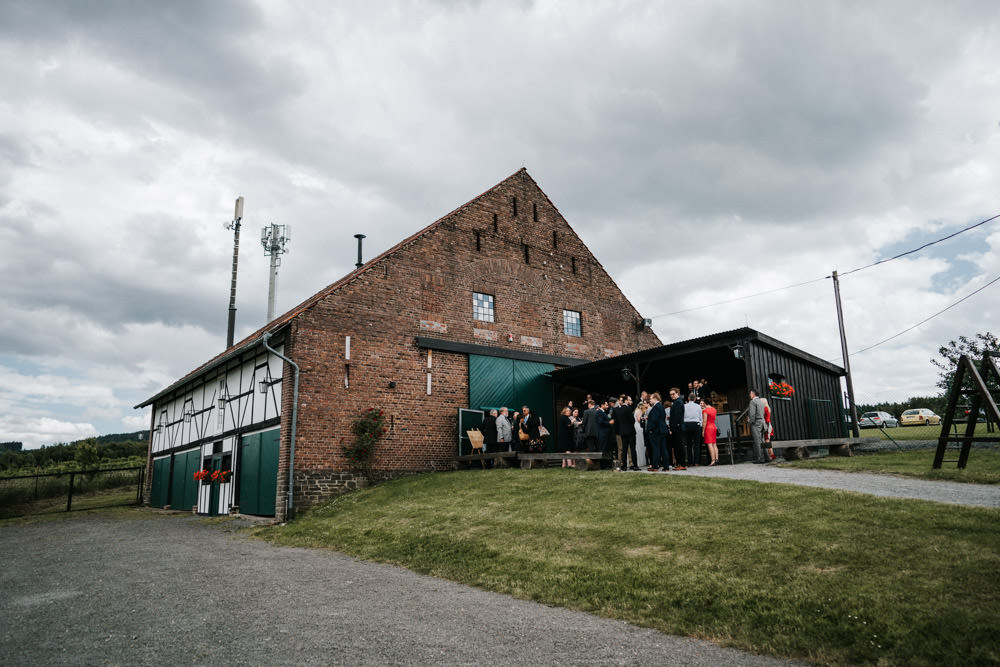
pixel 564 438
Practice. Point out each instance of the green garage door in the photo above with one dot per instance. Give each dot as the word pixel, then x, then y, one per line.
pixel 161 482
pixel 495 382
pixel 258 464
pixel 183 485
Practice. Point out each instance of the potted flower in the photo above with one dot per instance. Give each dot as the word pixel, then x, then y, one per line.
pixel 781 389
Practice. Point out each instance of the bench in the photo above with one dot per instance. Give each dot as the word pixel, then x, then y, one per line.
pixel 793 450
pixel 584 460
pixel 499 458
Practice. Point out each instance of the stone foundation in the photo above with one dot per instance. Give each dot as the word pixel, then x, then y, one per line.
pixel 312 487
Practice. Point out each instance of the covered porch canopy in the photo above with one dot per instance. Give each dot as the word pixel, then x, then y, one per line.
pixel 732 362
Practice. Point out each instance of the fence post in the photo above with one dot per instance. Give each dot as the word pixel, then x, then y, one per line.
pixel 138 490
pixel 69 500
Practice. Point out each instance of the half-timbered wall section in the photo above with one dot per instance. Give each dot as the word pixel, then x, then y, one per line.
pixel 198 426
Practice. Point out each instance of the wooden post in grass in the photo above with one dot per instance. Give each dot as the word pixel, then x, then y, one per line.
pixel 69 498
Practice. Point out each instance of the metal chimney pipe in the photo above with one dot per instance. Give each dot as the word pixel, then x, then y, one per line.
pixel 359 237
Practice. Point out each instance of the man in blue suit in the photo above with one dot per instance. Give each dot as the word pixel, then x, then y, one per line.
pixel 656 434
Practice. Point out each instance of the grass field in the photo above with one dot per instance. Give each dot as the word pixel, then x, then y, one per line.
pixel 827 576
pixel 920 432
pixel 983 466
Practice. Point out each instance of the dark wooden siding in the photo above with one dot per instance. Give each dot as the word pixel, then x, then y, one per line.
pixel 814 411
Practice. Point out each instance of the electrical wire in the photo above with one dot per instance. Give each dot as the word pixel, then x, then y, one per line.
pixel 816 280
pixel 865 349
pixel 926 245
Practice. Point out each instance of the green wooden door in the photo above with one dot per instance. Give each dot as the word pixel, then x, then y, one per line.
pixel 534 389
pixel 160 494
pixel 213 496
pixel 496 382
pixel 183 485
pixel 258 471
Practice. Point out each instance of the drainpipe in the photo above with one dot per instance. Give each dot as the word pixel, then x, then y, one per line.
pixel 295 414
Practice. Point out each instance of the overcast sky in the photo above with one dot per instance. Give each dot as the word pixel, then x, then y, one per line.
pixel 703 150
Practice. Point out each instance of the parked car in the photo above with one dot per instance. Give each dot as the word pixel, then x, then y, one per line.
pixel 877 420
pixel 919 417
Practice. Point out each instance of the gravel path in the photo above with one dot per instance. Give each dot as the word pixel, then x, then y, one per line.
pixel 141 587
pixel 981 495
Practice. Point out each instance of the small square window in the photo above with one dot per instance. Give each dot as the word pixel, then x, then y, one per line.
pixel 482 306
pixel 571 323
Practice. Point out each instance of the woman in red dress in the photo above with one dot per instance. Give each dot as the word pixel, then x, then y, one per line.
pixel 768 429
pixel 709 432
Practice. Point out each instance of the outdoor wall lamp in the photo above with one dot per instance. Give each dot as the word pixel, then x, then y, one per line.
pixel 737 350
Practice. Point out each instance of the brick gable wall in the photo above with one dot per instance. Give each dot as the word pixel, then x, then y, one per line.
pixel 424 288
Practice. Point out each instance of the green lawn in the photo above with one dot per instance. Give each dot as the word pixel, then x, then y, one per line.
pixel 983 466
pixel 920 432
pixel 822 575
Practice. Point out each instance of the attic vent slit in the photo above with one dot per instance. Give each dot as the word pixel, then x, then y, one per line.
pixel 573 263
pixel 527 255
pixel 534 212
pixel 514 205
pixel 555 239
pixel 478 245
pixel 495 226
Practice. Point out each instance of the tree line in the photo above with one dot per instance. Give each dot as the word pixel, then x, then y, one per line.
pixel 83 454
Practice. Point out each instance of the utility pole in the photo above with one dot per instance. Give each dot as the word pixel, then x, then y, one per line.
pixel 235 226
pixel 273 238
pixel 847 362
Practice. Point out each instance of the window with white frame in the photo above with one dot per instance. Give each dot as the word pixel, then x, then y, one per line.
pixel 482 307
pixel 572 323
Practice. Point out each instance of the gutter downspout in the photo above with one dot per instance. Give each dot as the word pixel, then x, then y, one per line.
pixel 295 414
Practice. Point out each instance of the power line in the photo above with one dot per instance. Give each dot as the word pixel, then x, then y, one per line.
pixel 926 245
pixel 865 349
pixel 816 280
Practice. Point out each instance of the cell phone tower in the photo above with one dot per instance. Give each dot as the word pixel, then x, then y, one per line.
pixel 273 238
pixel 235 226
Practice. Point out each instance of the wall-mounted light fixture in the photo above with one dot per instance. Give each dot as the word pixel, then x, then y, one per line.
pixel 737 350
pixel 264 384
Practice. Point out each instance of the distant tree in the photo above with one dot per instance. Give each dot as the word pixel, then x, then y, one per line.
pixel 86 454
pixel 11 446
pixel 971 347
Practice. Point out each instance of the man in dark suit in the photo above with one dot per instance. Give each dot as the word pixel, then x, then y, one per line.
pixel 677 428
pixel 604 426
pixel 625 433
pixel 591 431
pixel 656 434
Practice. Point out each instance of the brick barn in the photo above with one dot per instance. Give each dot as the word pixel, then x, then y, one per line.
pixel 473 310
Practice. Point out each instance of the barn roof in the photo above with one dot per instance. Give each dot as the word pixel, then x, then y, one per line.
pixel 277 324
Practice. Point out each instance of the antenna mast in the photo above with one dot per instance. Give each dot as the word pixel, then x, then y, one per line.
pixel 273 238
pixel 235 226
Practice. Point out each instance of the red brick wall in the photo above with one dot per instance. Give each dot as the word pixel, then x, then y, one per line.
pixel 424 288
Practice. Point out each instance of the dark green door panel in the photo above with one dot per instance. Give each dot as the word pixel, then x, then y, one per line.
pixel 269 443
pixel 534 389
pixel 496 382
pixel 161 482
pixel 258 465
pixel 491 382
pixel 183 485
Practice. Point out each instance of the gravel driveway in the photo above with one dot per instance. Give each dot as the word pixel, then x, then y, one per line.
pixel 143 587
pixel 981 495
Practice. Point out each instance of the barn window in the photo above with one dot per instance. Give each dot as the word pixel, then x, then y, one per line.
pixel 482 307
pixel 572 323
